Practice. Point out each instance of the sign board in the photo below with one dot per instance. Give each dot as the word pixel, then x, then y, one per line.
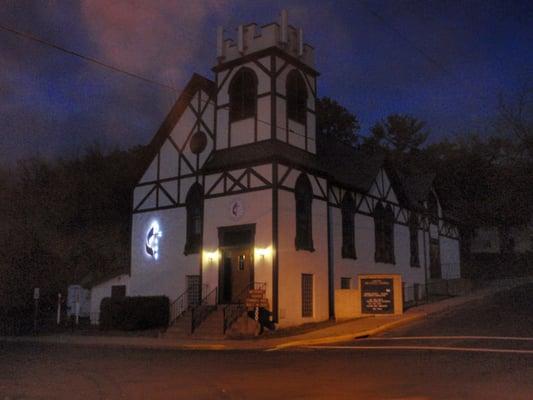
pixel 377 296
pixel 36 293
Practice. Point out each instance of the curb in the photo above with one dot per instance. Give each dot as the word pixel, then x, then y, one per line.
pixel 349 336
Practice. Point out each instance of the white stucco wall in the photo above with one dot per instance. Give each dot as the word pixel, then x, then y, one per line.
pixel 165 275
pixel 292 264
pixel 365 249
pixel 450 259
pixel 257 210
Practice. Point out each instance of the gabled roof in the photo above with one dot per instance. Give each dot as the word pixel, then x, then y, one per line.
pixel 196 83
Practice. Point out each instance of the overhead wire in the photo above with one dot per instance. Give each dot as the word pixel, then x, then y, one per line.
pixel 121 70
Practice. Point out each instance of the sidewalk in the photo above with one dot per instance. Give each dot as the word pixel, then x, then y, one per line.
pixel 342 331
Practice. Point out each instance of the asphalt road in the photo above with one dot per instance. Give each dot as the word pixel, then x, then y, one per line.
pixel 429 364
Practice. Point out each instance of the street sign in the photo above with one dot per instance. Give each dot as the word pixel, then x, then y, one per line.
pixel 377 296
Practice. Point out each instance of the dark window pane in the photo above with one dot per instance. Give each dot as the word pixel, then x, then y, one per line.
pixel 118 291
pixel 304 223
pixel 346 283
pixel 307 295
pixel 243 95
pixel 296 97
pixel 348 228
pixel 194 206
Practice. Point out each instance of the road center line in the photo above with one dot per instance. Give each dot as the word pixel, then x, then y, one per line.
pixel 510 338
pixel 437 348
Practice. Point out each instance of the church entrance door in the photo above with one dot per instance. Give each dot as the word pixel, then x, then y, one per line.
pixel 236 270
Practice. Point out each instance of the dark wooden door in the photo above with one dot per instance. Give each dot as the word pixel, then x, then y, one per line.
pixel 237 274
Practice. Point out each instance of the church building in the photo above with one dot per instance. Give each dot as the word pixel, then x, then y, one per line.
pixel 237 196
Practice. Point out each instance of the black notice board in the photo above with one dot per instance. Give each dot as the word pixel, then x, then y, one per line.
pixel 377 296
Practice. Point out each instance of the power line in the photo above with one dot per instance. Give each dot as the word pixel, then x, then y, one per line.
pixel 123 71
pixel 429 58
pixel 86 58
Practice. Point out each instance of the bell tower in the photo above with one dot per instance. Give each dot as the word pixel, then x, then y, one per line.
pixel 266 86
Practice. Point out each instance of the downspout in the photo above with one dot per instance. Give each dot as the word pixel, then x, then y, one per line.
pixel 426 262
pixel 331 283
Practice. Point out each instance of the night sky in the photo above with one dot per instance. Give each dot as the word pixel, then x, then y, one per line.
pixel 445 62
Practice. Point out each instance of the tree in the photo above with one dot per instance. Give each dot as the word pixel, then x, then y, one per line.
pixel 335 122
pixel 398 133
pixel 515 120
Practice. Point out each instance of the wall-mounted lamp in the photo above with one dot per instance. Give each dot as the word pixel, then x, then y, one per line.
pixel 211 255
pixel 262 252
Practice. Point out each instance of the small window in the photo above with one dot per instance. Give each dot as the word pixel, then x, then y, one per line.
pixel 243 95
pixel 413 241
pixel 346 283
pixel 118 291
pixel 194 206
pixel 307 295
pixel 296 97
pixel 348 228
pixel 304 212
pixel 242 259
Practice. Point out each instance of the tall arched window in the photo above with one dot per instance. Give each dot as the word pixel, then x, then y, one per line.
pixel 384 233
pixel 304 213
pixel 243 95
pixel 389 234
pixel 296 97
pixel 348 228
pixel 194 204
pixel 413 240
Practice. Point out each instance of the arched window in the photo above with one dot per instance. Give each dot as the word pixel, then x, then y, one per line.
pixel 243 95
pixel 296 97
pixel 194 204
pixel 433 208
pixel 348 228
pixel 384 233
pixel 413 240
pixel 389 234
pixel 304 221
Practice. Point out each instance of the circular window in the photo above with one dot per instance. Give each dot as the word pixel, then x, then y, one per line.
pixel 198 142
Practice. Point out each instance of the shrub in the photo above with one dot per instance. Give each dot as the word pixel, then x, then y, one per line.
pixel 134 313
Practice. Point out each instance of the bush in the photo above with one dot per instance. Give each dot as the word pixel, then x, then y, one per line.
pixel 134 313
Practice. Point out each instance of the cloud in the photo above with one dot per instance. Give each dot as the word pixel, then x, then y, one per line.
pixel 156 38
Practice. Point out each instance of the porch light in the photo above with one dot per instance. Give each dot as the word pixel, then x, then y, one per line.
pixel 263 251
pixel 211 255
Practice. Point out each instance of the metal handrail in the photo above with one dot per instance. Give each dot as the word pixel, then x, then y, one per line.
pixel 177 307
pixel 235 310
pixel 181 304
pixel 202 310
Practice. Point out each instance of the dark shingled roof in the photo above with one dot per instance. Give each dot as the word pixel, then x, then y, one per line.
pixel 350 167
pixel 416 188
pixel 263 151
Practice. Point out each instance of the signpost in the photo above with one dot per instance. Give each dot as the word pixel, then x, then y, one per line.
pixel 58 308
pixel 36 308
pixel 377 296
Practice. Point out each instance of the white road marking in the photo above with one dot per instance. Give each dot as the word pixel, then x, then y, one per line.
pixel 438 348
pixel 511 338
